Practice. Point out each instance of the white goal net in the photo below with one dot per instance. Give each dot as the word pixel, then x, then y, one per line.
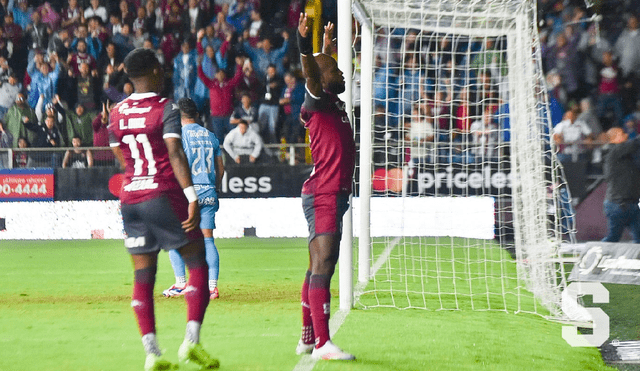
pixel 462 203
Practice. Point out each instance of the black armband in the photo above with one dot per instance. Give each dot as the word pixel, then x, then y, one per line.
pixel 305 44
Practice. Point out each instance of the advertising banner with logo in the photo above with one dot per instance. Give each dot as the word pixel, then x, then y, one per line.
pixel 459 179
pixel 608 262
pixel 26 185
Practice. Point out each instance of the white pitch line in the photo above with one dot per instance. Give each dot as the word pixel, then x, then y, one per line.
pixel 306 363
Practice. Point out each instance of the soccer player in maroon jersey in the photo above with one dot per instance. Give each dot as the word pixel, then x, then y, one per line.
pixel 159 205
pixel 325 195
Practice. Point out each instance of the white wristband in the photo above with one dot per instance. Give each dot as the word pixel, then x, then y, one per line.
pixel 191 194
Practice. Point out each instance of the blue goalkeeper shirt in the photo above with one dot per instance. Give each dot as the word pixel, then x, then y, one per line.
pixel 201 147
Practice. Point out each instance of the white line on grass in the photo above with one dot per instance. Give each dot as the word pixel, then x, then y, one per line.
pixel 306 363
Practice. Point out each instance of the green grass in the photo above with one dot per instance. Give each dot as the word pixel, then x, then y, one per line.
pixel 65 305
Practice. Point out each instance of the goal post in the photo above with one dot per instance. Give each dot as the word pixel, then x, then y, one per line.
pixel 459 199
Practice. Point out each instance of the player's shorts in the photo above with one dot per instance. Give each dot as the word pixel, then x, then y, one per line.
pixel 324 212
pixel 157 224
pixel 209 204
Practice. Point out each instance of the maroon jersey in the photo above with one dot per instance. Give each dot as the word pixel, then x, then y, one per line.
pixel 138 125
pixel 332 146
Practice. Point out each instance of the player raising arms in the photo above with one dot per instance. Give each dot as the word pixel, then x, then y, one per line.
pixel 159 205
pixel 205 161
pixel 325 195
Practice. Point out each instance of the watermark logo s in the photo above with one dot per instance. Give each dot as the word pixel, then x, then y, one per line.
pixel 597 315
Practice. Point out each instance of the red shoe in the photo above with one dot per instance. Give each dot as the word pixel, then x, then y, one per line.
pixel 214 294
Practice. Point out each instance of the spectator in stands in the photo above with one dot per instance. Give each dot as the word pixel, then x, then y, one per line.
pixel 94 45
pixel 13 31
pixel 256 28
pixel 173 19
pixel 593 47
pixel 411 78
pixel 43 79
pixel 221 26
pixel 571 136
pixel 8 94
pixel 80 123
pixel 5 69
pixel 37 34
pixel 81 56
pixel 238 16
pixel 627 48
pixel 485 135
pixel 589 118
pixel 209 67
pixel 291 103
pixel 193 19
pixel 207 37
pixel 22 14
pixel 126 15
pixel 420 135
pixel 95 10
pixel 15 117
pixel 47 136
pixel 124 40
pixel 60 44
pixel 101 136
pixel 42 112
pixel 221 97
pixel 264 55
pixel 22 159
pixel 243 144
pixel 563 57
pixel 246 111
pixel 609 89
pixel 72 17
pixel 250 83
pixel 115 24
pixel 622 176
pixel 6 141
pixel 185 71
pixel 154 20
pixel 270 106
pixel 141 20
pixel 110 57
pixel 77 158
pixel 85 88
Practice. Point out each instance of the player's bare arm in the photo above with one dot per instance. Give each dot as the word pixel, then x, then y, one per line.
pixel 328 40
pixel 119 156
pixel 180 168
pixel 310 68
pixel 219 165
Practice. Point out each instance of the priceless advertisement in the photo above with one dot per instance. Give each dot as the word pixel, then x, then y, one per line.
pixel 26 185
pixel 608 262
pixel 459 179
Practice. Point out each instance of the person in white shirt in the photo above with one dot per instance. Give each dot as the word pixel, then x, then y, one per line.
pixel 96 10
pixel 571 136
pixel 243 143
pixel 485 135
pixel 420 136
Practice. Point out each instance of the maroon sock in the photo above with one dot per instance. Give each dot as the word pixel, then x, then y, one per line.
pixel 320 303
pixel 142 302
pixel 307 324
pixel 197 293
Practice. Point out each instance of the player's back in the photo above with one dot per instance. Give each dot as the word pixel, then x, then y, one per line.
pixel 139 125
pixel 201 147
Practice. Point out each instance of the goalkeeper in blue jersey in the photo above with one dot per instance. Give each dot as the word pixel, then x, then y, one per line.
pixel 205 161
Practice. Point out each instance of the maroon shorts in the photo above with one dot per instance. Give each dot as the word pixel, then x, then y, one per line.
pixel 157 224
pixel 324 212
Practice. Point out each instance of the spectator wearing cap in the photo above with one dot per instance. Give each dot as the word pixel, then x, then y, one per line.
pixel 8 93
pixel 80 123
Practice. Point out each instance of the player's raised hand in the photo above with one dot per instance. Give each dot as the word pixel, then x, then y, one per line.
pixel 193 221
pixel 303 29
pixel 327 39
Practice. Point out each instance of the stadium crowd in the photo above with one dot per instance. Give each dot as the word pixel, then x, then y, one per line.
pixel 61 68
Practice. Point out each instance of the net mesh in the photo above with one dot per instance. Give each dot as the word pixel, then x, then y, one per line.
pixel 469 204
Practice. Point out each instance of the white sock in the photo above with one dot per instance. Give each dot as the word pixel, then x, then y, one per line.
pixel 150 344
pixel 193 332
pixel 213 284
pixel 181 281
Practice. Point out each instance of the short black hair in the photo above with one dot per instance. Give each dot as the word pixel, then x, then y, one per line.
pixel 188 108
pixel 139 62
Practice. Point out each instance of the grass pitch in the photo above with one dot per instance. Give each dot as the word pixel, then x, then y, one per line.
pixel 65 305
